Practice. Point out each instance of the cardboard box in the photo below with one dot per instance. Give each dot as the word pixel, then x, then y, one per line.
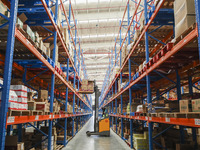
pixel 185 106
pixel 22 17
pixel 84 87
pixel 184 7
pixel 43 94
pixel 133 107
pixel 42 106
pixel 19 23
pixel 31 105
pixel 184 24
pixel 42 47
pixel 47 45
pixel 84 82
pixel 11 140
pixel 184 146
pixel 182 12
pixel 18 88
pixel 90 88
pixel 48 52
pixel 3 8
pixel 196 105
pixel 30 96
pixel 29 32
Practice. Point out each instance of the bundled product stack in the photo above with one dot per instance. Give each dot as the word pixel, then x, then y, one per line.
pixel 4 11
pixel 189 105
pixel 124 53
pixel 69 108
pixel 13 103
pixel 12 143
pixel 87 86
pixel 41 103
pixel 45 142
pixel 21 92
pixel 184 14
pixel 141 141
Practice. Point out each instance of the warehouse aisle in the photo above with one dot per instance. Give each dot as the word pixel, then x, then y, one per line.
pixel 81 141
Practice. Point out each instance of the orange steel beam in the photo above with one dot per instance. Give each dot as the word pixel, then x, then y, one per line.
pixel 190 122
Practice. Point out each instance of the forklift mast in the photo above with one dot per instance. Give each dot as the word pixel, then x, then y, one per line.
pixel 96 108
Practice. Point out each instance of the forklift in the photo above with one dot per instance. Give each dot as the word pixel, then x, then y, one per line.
pixel 102 125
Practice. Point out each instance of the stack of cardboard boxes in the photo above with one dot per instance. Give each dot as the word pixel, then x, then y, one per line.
pixel 189 105
pixel 4 11
pixel 13 103
pixel 45 139
pixel 21 92
pixel 87 85
pixel 184 14
pixel 12 143
pixel 141 141
pixel 124 52
pixel 41 103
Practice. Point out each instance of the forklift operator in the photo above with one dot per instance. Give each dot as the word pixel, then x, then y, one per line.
pixel 105 113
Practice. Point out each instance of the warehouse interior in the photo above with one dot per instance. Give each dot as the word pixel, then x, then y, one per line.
pixel 99 74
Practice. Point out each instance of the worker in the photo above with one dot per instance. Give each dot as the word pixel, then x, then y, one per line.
pixel 105 113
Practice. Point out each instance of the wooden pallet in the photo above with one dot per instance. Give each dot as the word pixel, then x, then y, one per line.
pixel 46 113
pixel 175 115
pixel 59 147
pixel 36 112
pixel 152 114
pixel 18 112
pixel 187 115
pixel 185 33
pixel 56 113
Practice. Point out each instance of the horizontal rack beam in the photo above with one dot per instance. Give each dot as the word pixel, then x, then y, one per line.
pixel 11 120
pixel 190 122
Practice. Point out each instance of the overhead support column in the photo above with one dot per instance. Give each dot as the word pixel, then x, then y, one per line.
pixel 116 104
pixel 66 102
pixel 53 79
pixel 121 98
pixel 7 71
pixel 129 68
pixel 149 99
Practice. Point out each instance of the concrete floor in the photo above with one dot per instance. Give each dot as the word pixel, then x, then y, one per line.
pixel 82 142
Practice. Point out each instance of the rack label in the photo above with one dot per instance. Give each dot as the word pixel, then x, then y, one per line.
pixel 37 117
pixel 167 119
pixel 60 116
pixel 150 118
pixel 197 121
pixel 11 119
pixel 53 116
pixel 146 118
pixel 49 116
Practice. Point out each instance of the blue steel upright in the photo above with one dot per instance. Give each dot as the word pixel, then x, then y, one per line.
pixel 66 101
pixel 53 79
pixel 74 83
pixel 116 105
pixel 7 71
pixel 197 7
pixel 129 69
pixel 121 98
pixel 149 101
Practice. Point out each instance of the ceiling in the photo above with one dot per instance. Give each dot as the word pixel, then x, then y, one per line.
pixel 98 23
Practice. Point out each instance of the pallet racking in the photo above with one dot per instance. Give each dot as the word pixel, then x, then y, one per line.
pixel 23 59
pixel 160 53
